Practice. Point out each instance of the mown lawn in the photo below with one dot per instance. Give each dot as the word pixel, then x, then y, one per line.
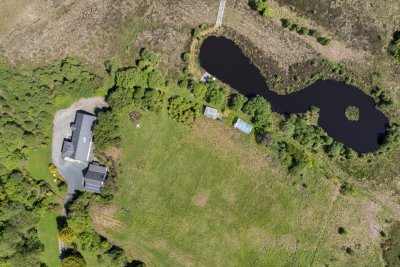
pixel 37 165
pixel 47 231
pixel 204 196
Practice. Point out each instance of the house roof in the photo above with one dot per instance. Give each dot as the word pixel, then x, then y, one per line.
pixel 211 113
pixel 243 126
pixel 68 148
pixel 96 172
pixel 94 177
pixel 81 137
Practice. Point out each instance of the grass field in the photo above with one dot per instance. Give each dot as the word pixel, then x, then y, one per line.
pixel 38 166
pixel 47 230
pixel 203 196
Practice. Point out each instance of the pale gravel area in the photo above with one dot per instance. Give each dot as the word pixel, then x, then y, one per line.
pixel 72 172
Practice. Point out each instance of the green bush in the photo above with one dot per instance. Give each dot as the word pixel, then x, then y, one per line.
pixel 261 6
pixel 324 41
pixel 73 261
pixel 237 101
pixel 185 56
pixel 182 110
pixel 199 90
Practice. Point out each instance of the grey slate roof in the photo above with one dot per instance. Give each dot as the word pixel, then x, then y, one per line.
pixel 79 146
pixel 94 177
pixel 243 126
pixel 68 148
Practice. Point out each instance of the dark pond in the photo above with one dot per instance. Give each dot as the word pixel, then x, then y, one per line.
pixel 222 58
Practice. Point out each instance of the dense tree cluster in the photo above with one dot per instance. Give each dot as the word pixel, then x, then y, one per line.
pixel 308 135
pixel 27 106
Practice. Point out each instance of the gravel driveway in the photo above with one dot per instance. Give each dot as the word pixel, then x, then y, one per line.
pixel 72 172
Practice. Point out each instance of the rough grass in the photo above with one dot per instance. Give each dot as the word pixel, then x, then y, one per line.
pixel 206 197
pixel 47 231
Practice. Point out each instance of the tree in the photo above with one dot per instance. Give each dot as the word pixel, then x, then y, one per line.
pixel 215 96
pixel 261 6
pixel 120 98
pixel 66 234
pixel 131 78
pixel 288 125
pixel 182 110
pixel 74 260
pixel 237 101
pixel 156 79
pixel 199 90
pixel 255 104
pixel 106 130
pixel 335 149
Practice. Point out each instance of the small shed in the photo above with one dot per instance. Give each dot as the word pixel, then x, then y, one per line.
pixel 211 113
pixel 205 77
pixel 243 126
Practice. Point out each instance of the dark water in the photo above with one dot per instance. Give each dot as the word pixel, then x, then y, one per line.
pixel 223 59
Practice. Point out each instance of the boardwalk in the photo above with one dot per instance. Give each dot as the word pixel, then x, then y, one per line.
pixel 220 15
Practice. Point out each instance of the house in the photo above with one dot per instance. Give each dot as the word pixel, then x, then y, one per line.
pixel 243 126
pixel 211 113
pixel 94 177
pixel 78 148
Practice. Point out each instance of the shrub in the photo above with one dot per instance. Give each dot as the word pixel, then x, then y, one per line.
pixel 394 46
pixel 199 90
pixel 314 33
pixel 185 56
pixel 324 41
pixel 66 234
pixel 182 110
pixel 349 251
pixel 303 31
pixel 73 261
pixel 286 23
pixel 261 6
pixel 237 101
pixel 156 79
pixel 342 231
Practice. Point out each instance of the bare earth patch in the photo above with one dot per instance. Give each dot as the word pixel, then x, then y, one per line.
pixel 114 153
pixel 201 199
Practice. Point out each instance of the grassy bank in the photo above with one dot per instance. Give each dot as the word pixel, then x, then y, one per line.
pixel 47 230
pixel 204 196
